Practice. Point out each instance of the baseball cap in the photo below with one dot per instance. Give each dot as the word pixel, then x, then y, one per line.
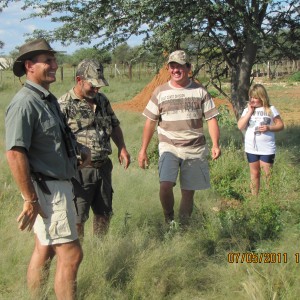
pixel 178 56
pixel 91 71
pixel 28 51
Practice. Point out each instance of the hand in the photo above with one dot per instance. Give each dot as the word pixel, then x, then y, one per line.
pixel 29 214
pixel 264 128
pixel 215 152
pixel 250 108
pixel 85 157
pixel 124 156
pixel 143 160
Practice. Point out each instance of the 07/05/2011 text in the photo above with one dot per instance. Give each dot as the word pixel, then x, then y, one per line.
pixel 265 257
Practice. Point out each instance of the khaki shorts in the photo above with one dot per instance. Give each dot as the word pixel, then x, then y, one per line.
pixel 59 227
pixel 193 175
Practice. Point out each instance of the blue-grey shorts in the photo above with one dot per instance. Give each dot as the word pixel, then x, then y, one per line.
pixel 193 175
pixel 265 158
pixel 59 227
pixel 94 191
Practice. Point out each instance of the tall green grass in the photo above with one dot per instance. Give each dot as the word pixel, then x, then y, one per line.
pixel 142 258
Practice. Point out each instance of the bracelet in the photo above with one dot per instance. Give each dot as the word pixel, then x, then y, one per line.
pixel 31 201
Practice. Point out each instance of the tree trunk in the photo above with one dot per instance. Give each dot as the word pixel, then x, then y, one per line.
pixel 130 71
pixel 240 77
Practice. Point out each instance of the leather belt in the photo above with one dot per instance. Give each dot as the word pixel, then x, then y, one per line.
pixel 98 164
pixel 41 179
pixel 40 176
pixel 49 178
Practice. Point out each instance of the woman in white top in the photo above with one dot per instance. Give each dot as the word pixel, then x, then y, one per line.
pixel 260 120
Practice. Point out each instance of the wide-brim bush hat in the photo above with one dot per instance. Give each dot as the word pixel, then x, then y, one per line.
pixel 29 50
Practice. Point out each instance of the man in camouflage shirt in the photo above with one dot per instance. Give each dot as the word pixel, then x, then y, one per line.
pixel 92 120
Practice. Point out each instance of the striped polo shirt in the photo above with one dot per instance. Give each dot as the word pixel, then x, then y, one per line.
pixel 179 113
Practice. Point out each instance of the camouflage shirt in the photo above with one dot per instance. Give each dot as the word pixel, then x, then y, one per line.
pixel 91 128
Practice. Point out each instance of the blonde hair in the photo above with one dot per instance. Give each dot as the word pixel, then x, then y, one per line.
pixel 258 91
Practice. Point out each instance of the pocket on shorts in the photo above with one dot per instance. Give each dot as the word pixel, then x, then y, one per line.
pixel 60 194
pixel 57 226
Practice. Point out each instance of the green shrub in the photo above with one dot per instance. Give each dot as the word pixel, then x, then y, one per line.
pixel 226 117
pixel 214 93
pixel 251 222
pixel 228 178
pixel 295 77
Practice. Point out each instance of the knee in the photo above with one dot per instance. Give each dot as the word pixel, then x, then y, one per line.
pixel 166 186
pixel 77 254
pixel 187 194
pixel 77 258
pixel 255 173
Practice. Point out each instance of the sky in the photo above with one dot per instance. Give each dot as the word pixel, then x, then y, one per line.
pixel 12 30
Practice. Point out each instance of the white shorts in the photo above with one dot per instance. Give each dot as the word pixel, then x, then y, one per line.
pixel 194 173
pixel 59 227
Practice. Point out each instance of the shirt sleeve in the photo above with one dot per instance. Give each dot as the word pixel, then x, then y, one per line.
pixel 151 110
pixel 209 108
pixel 275 112
pixel 19 127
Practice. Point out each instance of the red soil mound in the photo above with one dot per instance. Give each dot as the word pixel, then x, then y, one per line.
pixel 139 102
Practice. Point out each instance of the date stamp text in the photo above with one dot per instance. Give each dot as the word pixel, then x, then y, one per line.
pixel 260 258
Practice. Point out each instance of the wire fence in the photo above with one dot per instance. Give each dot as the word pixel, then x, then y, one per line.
pixel 270 69
pixel 276 69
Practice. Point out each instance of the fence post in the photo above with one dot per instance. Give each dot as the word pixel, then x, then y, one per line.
pixel 74 72
pixel 293 66
pixel 116 70
pixel 139 71
pixel 62 73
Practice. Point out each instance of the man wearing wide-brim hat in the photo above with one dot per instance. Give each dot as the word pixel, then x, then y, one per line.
pixel 28 51
pixel 42 166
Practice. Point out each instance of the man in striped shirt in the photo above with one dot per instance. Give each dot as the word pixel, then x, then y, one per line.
pixel 178 108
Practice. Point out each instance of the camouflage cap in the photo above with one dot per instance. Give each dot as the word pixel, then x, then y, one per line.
pixel 178 56
pixel 91 71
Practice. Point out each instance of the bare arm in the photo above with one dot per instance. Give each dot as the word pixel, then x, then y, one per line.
pixel 149 129
pixel 214 132
pixel 277 126
pixel 244 120
pixel 19 166
pixel 118 138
